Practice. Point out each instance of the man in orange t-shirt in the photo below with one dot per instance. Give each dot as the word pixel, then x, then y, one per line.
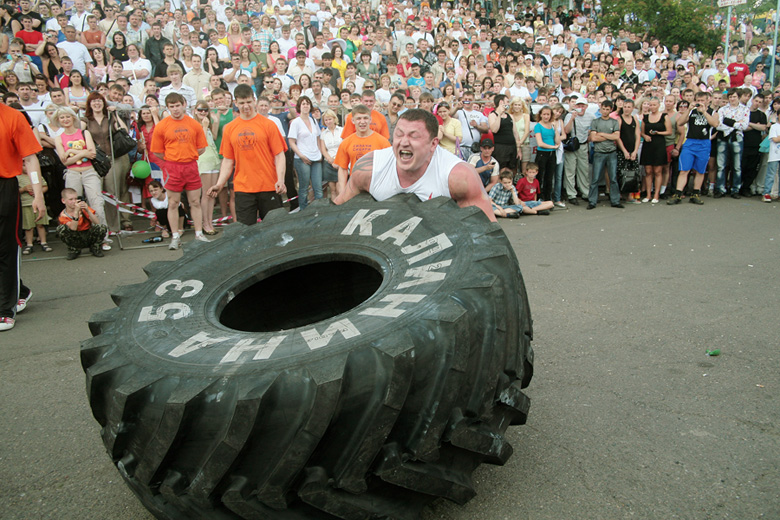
pixel 253 144
pixel 378 121
pixel 363 141
pixel 17 145
pixel 179 140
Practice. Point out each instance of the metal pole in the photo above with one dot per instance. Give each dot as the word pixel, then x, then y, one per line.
pixel 774 47
pixel 728 34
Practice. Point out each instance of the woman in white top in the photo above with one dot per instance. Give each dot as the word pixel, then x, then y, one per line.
pixel 329 145
pixel 304 139
pixel 383 93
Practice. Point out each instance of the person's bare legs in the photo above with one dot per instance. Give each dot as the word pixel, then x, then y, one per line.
pixel 193 196
pixel 206 202
pixel 174 199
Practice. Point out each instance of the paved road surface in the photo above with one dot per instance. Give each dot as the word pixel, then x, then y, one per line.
pixel 629 418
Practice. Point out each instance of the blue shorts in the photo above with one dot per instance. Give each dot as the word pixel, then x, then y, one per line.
pixel 695 155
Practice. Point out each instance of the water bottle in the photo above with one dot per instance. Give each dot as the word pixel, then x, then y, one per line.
pixel 152 240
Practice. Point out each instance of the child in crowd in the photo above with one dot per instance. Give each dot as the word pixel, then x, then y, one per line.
pixel 79 226
pixel 504 197
pixel 528 191
pixel 159 202
pixel 28 216
pixel 773 162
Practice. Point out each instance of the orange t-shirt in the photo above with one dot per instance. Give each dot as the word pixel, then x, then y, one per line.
pixel 84 221
pixel 180 140
pixel 353 148
pixel 378 125
pixel 253 144
pixel 17 141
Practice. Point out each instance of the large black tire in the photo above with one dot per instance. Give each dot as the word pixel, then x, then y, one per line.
pixel 352 361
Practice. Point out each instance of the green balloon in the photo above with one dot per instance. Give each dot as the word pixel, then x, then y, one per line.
pixel 141 169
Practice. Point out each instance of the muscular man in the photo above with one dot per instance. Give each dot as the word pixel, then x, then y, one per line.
pixel 416 164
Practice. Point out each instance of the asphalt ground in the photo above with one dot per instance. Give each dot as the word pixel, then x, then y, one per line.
pixel 629 418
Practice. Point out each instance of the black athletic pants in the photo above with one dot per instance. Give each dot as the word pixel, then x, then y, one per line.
pixel 11 286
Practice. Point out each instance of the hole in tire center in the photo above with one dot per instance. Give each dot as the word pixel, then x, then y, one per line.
pixel 301 296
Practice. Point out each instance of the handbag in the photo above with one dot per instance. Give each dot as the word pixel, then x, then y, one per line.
pixel 102 162
pixel 764 146
pixel 121 142
pixel 571 144
pixel 629 177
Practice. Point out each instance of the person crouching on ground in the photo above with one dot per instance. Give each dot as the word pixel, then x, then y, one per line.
pixel 79 226
pixel 528 191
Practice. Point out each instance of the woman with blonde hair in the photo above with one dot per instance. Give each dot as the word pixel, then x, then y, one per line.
pixel 330 139
pixel 234 36
pixel 76 150
pixel 521 116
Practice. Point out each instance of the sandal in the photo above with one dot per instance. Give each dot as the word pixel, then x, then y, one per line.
pixel 27 249
pixel 210 233
pixel 46 247
pixel 165 233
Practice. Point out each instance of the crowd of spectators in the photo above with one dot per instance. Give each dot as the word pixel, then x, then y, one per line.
pixel 510 86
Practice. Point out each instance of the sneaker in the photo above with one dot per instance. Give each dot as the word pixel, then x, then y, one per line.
pixel 695 199
pixel 676 199
pixel 21 303
pixel 97 252
pixel 645 200
pixel 72 255
pixel 513 214
pixel 560 204
pixel 543 212
pixel 654 201
pixel 202 238
pixel 718 194
pixel 618 205
pixel 736 195
pixel 175 243
pixel 574 202
pixel 591 206
pixel 6 323
pixel 105 247
pixel 296 210
pixel 767 198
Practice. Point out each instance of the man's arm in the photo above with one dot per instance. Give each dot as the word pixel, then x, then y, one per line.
pixel 38 205
pixel 224 174
pixel 467 190
pixel 360 179
pixel 281 170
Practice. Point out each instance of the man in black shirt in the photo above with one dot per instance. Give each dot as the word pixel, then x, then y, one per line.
pixel 751 157
pixel 695 153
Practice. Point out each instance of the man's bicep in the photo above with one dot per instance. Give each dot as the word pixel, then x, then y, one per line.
pixel 360 177
pixel 466 189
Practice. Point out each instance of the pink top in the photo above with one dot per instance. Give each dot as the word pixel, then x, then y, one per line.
pixel 76 141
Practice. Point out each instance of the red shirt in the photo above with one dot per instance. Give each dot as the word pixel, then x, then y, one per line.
pixel 738 71
pixel 527 191
pixel 32 37
pixel 17 141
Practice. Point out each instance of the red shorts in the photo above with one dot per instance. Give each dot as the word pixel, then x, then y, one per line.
pixel 669 153
pixel 181 177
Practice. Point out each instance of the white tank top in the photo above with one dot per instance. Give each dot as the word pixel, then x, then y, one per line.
pixel 433 183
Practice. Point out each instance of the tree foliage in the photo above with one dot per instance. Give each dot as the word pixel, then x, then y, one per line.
pixel 672 21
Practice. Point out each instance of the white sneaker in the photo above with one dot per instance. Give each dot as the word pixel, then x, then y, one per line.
pixel 645 200
pixel 105 247
pixel 654 201
pixel 202 238
pixel 296 210
pixel 6 323
pixel 21 303
pixel 175 243
pixel 560 204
